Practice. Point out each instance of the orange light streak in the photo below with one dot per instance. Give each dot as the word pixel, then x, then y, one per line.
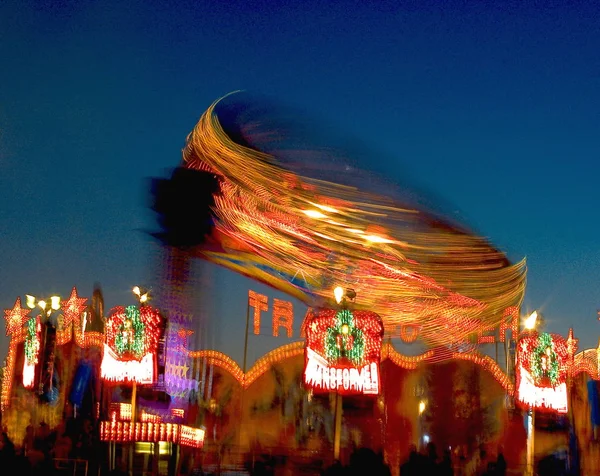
pixel 409 267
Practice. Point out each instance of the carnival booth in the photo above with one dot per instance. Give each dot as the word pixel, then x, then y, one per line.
pixel 144 434
pixel 52 364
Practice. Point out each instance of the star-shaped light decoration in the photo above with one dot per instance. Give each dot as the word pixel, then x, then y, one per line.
pixel 184 370
pixel 72 308
pixel 15 317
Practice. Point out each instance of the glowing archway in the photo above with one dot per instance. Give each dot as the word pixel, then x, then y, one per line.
pixel 586 361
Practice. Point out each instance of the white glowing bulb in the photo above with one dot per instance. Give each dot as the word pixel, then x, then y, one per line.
pixel 30 301
pixel 55 302
pixel 338 293
pixel 530 321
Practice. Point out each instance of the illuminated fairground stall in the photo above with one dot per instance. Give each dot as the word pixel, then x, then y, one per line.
pixel 145 438
pixel 53 360
pixel 343 353
pixel 59 353
pixel 336 351
pixel 544 372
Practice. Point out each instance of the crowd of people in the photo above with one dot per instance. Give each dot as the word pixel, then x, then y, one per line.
pixel 362 461
pixel 43 450
pixel 428 462
pixel 366 461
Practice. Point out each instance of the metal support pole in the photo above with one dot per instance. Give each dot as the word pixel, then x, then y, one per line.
pixel 133 401
pixel 337 435
pixel 243 388
pixel 177 449
pixel 155 458
pixel 420 433
pixel 246 335
pixel 530 441
pixel 110 456
pixel 133 412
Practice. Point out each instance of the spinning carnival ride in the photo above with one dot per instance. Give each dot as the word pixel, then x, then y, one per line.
pixel 292 218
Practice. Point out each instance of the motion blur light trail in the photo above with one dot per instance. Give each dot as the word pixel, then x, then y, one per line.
pixel 298 221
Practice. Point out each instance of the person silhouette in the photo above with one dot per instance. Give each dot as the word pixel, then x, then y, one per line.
pixel 411 467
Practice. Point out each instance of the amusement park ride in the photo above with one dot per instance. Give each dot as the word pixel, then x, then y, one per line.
pixel 238 202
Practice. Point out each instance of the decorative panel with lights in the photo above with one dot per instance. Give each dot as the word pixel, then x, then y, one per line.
pixel 126 431
pixel 132 335
pixel 542 369
pixel 343 351
pixel 32 350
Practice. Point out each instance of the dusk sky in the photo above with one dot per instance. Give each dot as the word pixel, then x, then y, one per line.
pixel 492 109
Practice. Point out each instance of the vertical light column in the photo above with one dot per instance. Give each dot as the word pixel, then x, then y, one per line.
pixel 530 441
pixel 176 302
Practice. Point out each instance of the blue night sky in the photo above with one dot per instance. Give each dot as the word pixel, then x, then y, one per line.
pixel 493 109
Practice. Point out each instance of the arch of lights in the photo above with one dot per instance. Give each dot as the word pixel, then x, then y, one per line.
pixel 586 361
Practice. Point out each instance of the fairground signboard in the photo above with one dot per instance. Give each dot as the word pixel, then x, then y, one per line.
pixel 132 335
pixel 343 351
pixel 542 362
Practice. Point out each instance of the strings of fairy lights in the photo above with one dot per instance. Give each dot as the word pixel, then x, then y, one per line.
pixel 406 266
pixel 133 331
pixel 544 362
pixel 586 361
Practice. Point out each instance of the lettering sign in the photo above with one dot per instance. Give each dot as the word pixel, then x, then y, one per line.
pixel 282 321
pixel 343 350
pixel 318 375
pixel 116 370
pixel 551 398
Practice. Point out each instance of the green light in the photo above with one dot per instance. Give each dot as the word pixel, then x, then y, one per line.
pixel 32 345
pixel 130 336
pixel 552 369
pixel 344 339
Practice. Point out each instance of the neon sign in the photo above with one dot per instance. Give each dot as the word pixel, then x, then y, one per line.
pixel 542 362
pixel 343 352
pixel 320 376
pixel 117 370
pixel 529 394
pixel 282 321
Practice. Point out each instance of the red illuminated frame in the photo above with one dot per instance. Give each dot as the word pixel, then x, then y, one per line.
pixel 342 374
pixel 534 389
